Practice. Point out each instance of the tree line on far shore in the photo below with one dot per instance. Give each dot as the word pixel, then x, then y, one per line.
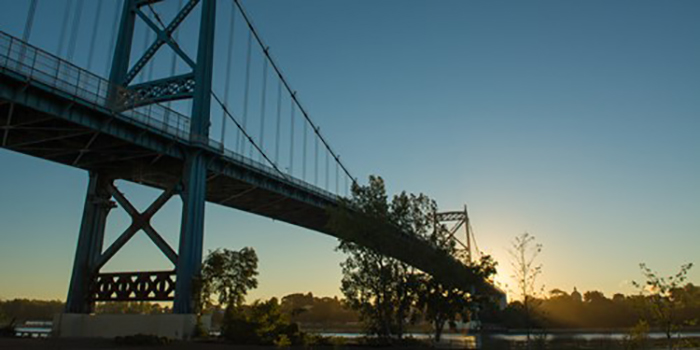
pixel 593 310
pixel 558 310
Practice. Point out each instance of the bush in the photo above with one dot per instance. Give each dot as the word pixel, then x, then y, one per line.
pixel 263 323
pixel 282 341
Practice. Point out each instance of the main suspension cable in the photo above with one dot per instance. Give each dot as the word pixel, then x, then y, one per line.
pixel 286 84
pixel 250 139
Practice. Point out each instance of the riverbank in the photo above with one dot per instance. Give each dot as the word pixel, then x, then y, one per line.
pixel 488 344
pixel 108 344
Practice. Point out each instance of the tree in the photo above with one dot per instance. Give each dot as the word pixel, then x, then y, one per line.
pixel 524 252
pixel 229 275
pixel 383 290
pixel 558 293
pixel 660 300
pixel 594 296
pixel 442 304
pixel 262 323
pixel 380 288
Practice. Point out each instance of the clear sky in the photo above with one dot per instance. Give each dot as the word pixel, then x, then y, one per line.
pixel 577 121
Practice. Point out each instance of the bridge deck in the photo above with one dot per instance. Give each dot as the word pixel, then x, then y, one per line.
pixel 56 111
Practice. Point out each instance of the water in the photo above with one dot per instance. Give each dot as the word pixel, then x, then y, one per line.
pixel 521 337
pixel 588 336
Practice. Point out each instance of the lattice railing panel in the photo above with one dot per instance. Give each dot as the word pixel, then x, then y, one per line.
pixel 134 286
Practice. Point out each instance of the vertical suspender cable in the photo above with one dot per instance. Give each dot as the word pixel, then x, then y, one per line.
pixel 279 121
pixel 303 173
pixel 246 94
pixel 316 160
pixel 337 160
pixel 64 29
pixel 286 85
pixel 327 154
pixel 291 140
pixel 91 53
pixel 113 39
pixel 75 30
pixel 227 84
pixel 146 74
pixel 283 80
pixel 30 21
pixel 262 108
pixel 173 68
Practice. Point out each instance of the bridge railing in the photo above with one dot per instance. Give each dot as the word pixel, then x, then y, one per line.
pixel 36 64
pixel 64 77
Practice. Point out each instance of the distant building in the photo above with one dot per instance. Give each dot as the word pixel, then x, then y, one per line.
pixel 576 296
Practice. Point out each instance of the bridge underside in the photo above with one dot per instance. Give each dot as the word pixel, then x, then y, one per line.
pixel 44 125
pixel 39 120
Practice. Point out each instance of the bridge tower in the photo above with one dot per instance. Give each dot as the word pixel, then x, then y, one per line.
pixel 87 283
pixel 452 221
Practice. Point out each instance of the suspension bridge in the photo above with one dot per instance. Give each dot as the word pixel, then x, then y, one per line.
pixel 169 113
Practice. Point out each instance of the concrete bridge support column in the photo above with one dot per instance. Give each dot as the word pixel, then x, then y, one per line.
pixel 90 241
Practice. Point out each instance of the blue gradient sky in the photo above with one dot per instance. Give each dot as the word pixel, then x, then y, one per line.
pixel 577 121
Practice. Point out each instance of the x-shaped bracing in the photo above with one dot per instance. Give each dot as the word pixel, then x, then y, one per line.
pixel 166 89
pixel 139 221
pixel 163 36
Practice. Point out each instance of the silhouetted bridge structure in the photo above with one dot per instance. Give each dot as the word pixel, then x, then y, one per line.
pixel 120 130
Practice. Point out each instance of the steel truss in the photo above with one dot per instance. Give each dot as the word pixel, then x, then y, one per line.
pixel 452 221
pixel 128 96
pixel 87 284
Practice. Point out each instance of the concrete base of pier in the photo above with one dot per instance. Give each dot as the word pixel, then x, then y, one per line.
pixel 172 326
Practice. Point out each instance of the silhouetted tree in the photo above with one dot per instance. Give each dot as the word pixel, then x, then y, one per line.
pixel 660 301
pixel 22 310
pixel 524 252
pixel 229 275
pixel 443 304
pixel 594 296
pixel 380 288
pixel 262 323
pixel 310 310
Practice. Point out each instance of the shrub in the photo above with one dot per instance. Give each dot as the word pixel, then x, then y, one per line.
pixel 263 323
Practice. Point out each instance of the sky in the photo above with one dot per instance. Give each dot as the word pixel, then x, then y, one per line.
pixel 575 121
